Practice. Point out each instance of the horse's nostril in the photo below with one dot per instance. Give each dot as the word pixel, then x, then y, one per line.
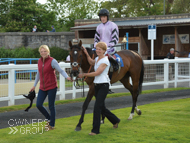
pixel 75 73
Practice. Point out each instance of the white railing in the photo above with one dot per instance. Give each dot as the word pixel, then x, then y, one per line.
pixel 157 72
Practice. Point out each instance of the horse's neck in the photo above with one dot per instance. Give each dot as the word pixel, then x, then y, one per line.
pixel 85 65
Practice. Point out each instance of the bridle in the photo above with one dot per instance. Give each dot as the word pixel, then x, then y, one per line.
pixel 78 66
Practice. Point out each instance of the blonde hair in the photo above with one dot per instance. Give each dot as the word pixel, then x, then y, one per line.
pixel 102 45
pixel 45 47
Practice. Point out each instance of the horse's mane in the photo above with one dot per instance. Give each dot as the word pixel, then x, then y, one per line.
pixel 90 52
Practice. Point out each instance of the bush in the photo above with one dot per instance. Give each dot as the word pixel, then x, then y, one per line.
pixel 22 52
pixel 6 53
pixel 58 53
pixel 36 53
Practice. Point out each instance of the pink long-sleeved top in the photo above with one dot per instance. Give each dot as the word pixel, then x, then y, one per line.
pixel 107 33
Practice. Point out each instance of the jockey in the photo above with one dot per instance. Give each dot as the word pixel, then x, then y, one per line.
pixel 107 32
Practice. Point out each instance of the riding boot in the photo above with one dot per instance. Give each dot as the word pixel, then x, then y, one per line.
pixel 114 62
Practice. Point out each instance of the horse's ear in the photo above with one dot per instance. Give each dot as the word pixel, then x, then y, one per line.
pixel 70 44
pixel 80 43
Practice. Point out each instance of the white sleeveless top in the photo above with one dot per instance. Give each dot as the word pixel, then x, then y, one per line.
pixel 103 77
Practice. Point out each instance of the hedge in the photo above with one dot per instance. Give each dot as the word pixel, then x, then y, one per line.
pixel 22 52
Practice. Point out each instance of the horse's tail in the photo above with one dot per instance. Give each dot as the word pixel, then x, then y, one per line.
pixel 141 77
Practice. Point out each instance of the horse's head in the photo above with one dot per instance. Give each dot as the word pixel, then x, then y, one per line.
pixel 76 55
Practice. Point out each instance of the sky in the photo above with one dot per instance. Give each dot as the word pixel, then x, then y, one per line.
pixel 42 1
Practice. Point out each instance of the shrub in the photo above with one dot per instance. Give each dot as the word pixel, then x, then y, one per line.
pixel 36 53
pixel 58 53
pixel 5 53
pixel 22 52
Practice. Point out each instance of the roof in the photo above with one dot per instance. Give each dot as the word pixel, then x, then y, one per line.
pixel 140 23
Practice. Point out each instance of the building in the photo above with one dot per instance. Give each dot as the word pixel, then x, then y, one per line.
pixel 172 31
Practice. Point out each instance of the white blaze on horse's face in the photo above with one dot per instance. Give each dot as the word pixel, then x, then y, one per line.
pixel 75 64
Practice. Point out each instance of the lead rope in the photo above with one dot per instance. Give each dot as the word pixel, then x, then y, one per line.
pixel 89 69
pixel 86 76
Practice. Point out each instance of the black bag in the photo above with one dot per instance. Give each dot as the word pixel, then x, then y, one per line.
pixel 31 97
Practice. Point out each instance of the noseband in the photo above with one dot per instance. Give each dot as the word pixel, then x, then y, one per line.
pixel 74 64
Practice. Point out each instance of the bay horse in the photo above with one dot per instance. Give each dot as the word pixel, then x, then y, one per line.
pixel 133 67
pixel 182 54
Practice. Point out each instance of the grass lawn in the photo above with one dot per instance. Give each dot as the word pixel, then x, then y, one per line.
pixel 163 122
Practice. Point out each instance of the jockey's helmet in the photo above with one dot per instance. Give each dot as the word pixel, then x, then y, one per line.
pixel 104 12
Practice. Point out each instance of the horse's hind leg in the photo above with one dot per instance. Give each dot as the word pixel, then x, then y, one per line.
pixel 126 83
pixel 134 97
pixel 134 92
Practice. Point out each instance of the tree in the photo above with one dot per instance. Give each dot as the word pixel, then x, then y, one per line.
pixel 133 8
pixel 23 15
pixel 117 8
pixel 70 10
pixel 181 6
pixel 146 7
pixel 136 8
pixel 4 8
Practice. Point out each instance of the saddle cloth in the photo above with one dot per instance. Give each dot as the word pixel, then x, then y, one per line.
pixel 118 59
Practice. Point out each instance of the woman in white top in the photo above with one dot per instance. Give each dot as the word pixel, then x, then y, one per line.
pixel 101 82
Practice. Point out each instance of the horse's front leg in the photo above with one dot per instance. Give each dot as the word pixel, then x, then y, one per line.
pixel 84 108
pixel 103 117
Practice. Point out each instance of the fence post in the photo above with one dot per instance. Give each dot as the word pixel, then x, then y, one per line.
pixel 30 71
pixel 11 86
pixel 189 73
pixel 166 69
pixel 62 85
pixel 176 74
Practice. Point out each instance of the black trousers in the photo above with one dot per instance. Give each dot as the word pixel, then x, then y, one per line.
pixel 101 91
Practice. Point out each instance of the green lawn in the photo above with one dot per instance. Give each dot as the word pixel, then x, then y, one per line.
pixel 163 122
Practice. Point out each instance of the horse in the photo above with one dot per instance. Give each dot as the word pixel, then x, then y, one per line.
pixel 133 67
pixel 182 53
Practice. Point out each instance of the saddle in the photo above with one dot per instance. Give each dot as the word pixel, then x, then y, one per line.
pixel 115 59
pixel 31 96
pixel 116 63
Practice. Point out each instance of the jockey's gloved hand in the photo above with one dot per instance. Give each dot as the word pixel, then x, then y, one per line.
pixel 111 50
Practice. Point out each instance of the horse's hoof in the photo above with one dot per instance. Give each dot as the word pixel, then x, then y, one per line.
pixel 139 113
pixel 77 128
pixel 102 122
pixel 131 116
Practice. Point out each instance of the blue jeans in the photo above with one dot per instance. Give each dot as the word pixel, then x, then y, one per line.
pixel 51 101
